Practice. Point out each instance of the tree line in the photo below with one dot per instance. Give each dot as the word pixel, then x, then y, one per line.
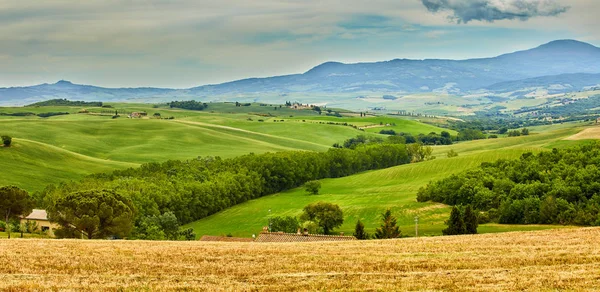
pixel 194 189
pixel 561 186
pixel 65 102
pixel 188 104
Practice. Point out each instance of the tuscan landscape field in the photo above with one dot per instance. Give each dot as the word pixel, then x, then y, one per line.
pixel 273 145
pixel 534 261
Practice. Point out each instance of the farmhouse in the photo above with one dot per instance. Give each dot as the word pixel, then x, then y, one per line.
pixel 266 236
pixel 225 238
pixel 40 217
pixel 294 237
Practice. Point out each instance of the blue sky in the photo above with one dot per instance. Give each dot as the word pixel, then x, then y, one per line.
pixel 185 43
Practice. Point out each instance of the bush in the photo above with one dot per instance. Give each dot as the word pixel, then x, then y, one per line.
pixel 452 153
pixel 6 141
pixel 313 187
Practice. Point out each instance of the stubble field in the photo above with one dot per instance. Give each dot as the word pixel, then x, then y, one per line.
pixel 540 260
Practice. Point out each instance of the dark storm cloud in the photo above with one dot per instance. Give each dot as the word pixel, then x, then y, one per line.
pixel 464 11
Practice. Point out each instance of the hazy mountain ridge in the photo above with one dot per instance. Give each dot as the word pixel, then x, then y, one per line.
pixel 538 67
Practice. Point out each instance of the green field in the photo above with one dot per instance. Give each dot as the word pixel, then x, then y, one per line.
pixel 67 147
pixel 365 196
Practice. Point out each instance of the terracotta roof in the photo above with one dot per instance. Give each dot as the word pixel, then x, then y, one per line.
pixel 38 214
pixel 294 237
pixel 226 239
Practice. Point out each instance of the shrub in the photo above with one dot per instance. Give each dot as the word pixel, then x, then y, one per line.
pixel 6 141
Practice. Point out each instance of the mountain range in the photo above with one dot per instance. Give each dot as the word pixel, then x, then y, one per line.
pixel 558 66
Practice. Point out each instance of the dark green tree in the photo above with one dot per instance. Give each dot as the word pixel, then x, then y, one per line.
pixel 94 213
pixel 359 231
pixel 327 215
pixel 286 224
pixel 169 224
pixel 6 141
pixel 525 132
pixel 14 202
pixel 456 225
pixel 388 228
pixel 470 219
pixel 188 234
pixel 313 187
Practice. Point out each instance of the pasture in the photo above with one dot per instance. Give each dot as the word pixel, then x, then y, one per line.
pixel 365 196
pixel 567 259
pixel 68 147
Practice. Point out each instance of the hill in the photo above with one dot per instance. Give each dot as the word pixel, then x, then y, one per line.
pixel 544 260
pixel 552 84
pixel 66 147
pixel 365 196
pixel 401 76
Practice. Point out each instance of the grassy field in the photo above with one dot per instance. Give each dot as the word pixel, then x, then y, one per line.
pixel 365 196
pixel 67 147
pixel 566 259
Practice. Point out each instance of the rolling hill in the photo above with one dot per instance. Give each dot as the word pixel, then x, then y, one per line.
pixel 365 196
pixel 67 147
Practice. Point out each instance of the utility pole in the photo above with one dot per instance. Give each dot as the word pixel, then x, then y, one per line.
pixel 416 226
pixel 269 220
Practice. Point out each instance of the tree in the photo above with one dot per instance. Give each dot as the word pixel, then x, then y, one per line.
pixel 6 140
pixel 286 224
pixel 514 133
pixel 470 219
pixel 312 187
pixel 94 213
pixel 14 202
pixel 188 234
pixel 359 231
pixel 418 152
pixel 452 153
pixel 525 132
pixel 456 225
pixel 327 215
pixel 169 224
pixel 388 228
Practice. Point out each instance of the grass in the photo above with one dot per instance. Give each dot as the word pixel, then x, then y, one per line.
pixel 567 259
pixel 365 196
pixel 67 147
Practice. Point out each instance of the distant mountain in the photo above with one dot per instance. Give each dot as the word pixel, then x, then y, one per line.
pixel 403 75
pixel 68 90
pixel 398 76
pixel 553 84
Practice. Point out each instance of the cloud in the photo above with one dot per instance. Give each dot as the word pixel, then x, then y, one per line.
pixel 464 11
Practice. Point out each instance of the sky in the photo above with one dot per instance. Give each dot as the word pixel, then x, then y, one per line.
pixel 187 43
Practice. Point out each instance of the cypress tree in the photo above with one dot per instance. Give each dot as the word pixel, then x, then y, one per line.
pixel 359 231
pixel 388 229
pixel 470 219
pixel 456 225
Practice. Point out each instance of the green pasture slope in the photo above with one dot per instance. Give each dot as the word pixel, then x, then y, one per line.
pixel 365 196
pixel 67 147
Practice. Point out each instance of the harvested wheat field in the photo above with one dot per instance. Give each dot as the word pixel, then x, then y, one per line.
pixel 539 260
pixel 589 133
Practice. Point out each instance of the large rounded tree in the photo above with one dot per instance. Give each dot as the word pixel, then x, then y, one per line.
pixel 94 213
pixel 327 215
pixel 14 202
